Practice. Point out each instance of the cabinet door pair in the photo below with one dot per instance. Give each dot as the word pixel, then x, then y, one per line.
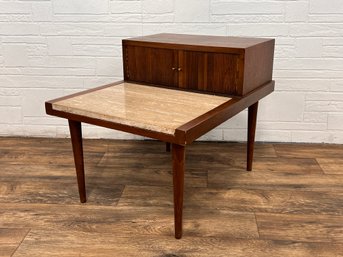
pixel 205 71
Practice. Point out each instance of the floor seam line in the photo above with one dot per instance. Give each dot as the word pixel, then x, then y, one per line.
pixel 258 230
pixel 21 242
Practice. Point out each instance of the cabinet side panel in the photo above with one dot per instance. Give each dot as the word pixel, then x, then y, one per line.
pixel 149 65
pixel 258 65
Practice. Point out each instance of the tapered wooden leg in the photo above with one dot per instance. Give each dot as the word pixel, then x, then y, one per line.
pixel 252 115
pixel 167 147
pixel 178 153
pixel 76 140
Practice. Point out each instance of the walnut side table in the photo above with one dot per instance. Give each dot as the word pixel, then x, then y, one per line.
pixel 176 88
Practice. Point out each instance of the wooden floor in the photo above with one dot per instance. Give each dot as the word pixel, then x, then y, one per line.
pixel 291 204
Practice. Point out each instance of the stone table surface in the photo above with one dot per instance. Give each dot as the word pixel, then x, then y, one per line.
pixel 152 108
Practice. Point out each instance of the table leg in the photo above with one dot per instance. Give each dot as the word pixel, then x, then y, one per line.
pixel 76 139
pixel 178 153
pixel 252 115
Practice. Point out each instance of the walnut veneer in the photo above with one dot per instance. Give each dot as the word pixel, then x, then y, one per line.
pixel 176 88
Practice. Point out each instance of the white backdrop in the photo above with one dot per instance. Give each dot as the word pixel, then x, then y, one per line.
pixel 49 48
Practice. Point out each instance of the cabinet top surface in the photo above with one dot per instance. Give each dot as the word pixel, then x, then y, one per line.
pixel 201 40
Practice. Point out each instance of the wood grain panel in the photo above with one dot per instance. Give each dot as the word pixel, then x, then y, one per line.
pixel 304 228
pixel 232 149
pixel 12 235
pixel 223 74
pixel 147 176
pixel 272 180
pixel 309 150
pixel 136 146
pixel 92 244
pixel 331 165
pixel 58 193
pixel 37 172
pixel 56 157
pixel 258 63
pixel 89 218
pixel 150 65
pixel 41 145
pixel 7 250
pixel 238 199
pixel 130 220
pixel 222 160
pixel 304 166
pixel 143 160
pixel 193 73
pixel 209 72
pixel 10 239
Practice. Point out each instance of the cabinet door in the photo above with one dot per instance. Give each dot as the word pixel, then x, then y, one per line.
pixel 210 72
pixel 150 65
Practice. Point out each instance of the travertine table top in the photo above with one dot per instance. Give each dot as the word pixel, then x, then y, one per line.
pixel 152 108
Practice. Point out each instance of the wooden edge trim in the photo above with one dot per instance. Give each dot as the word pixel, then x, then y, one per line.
pixel 85 91
pixel 112 125
pixel 178 46
pixel 204 123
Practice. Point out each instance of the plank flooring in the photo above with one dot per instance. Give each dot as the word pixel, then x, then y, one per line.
pixel 291 204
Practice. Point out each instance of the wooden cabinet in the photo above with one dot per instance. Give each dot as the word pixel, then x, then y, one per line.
pixel 223 65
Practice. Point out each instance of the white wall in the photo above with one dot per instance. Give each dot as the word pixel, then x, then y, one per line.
pixel 49 48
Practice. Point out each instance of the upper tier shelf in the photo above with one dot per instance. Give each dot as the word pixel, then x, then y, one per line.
pixel 231 66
